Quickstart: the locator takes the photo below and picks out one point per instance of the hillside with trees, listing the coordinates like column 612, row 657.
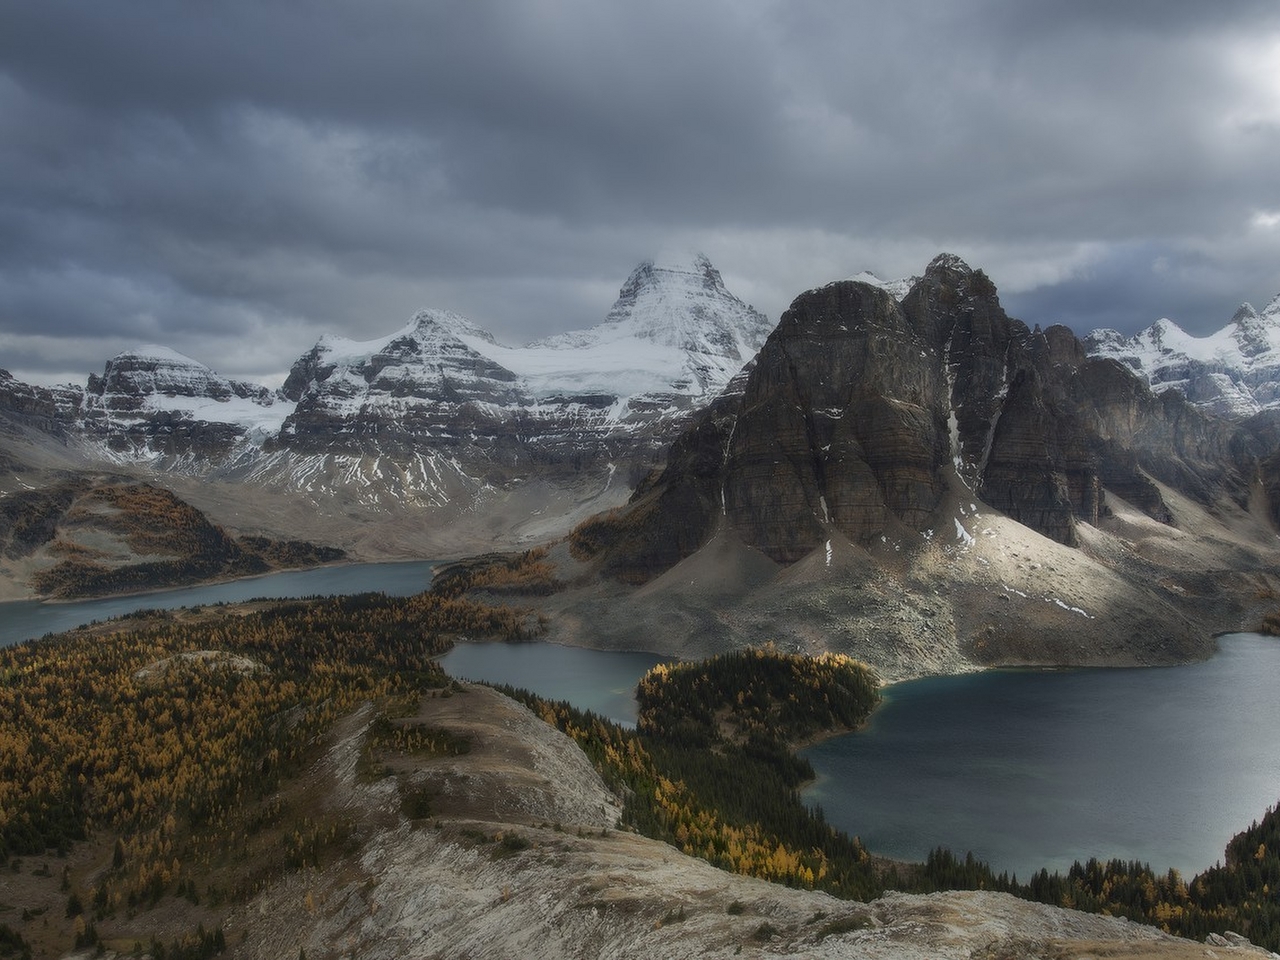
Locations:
column 167, row 741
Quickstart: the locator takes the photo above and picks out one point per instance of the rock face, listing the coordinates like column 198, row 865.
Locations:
column 53, row 411
column 423, row 388
column 1232, row 373
column 863, row 414
column 153, row 403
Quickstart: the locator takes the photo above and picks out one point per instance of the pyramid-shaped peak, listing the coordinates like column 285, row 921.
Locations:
column 680, row 299
column 685, row 268
column 448, row 322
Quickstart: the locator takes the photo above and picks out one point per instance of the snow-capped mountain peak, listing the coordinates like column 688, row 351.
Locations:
column 676, row 311
column 895, row 288
column 1232, row 372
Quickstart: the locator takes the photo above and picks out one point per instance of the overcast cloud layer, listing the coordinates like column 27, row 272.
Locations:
column 235, row 179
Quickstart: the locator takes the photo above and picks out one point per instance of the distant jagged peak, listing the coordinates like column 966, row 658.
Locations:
column 1257, row 334
column 676, row 299
column 1232, row 372
column 1167, row 334
column 672, row 275
column 160, row 354
column 425, row 327
column 448, row 322
column 1246, row 313
column 681, row 261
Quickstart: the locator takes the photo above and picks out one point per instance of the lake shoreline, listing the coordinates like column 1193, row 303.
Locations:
column 22, row 620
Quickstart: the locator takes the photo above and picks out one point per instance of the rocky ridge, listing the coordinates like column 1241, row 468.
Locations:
column 580, row 889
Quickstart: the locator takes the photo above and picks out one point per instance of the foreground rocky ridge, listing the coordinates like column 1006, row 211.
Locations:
column 574, row 887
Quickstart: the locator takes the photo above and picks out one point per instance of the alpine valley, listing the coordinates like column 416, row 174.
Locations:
column 898, row 471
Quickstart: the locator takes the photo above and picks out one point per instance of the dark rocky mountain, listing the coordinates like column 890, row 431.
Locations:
column 933, row 433
column 862, row 413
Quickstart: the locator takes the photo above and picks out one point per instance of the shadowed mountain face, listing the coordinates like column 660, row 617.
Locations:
column 863, row 414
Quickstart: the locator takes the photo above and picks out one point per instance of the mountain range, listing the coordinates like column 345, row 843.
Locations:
column 930, row 485
column 892, row 461
column 438, row 417
column 1234, row 372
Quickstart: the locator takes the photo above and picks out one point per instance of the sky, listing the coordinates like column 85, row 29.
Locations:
column 235, row 179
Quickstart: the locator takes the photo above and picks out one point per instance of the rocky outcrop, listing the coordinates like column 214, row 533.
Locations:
column 54, row 411
column 840, row 424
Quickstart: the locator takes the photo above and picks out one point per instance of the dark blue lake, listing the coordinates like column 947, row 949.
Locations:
column 603, row 681
column 1040, row 768
column 25, row 619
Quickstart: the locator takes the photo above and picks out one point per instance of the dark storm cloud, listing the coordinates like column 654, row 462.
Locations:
column 263, row 170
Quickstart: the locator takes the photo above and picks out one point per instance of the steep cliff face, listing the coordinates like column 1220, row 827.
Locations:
column 54, row 411
column 841, row 425
column 865, row 417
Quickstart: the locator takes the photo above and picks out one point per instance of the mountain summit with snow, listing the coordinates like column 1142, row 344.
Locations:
column 1234, row 372
column 677, row 305
column 446, row 398
column 436, row 413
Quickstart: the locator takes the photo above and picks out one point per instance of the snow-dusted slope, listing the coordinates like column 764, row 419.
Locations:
column 895, row 288
column 439, row 412
column 1234, row 372
column 672, row 341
